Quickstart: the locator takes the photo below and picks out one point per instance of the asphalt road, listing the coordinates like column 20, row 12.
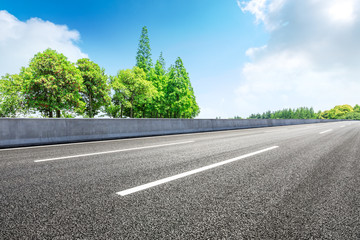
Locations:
column 290, row 182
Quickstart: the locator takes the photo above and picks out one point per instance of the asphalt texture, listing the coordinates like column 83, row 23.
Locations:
column 307, row 188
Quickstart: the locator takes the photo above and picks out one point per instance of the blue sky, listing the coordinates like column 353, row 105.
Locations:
column 243, row 57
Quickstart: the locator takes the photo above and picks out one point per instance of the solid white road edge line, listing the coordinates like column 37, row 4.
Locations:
column 181, row 175
column 114, row 151
column 329, row 130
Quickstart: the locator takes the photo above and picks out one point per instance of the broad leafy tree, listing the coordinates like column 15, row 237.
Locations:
column 131, row 88
column 52, row 84
column 340, row 111
column 11, row 99
column 120, row 98
column 355, row 115
column 324, row 115
column 95, row 91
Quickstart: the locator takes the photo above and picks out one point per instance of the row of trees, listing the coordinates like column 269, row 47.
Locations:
column 338, row 112
column 53, row 86
column 152, row 91
column 298, row 113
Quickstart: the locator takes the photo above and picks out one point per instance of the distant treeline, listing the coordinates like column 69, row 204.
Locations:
column 338, row 112
column 52, row 86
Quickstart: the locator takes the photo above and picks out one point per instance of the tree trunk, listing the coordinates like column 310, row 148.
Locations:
column 50, row 114
column 131, row 112
column 131, row 109
column 58, row 114
column 143, row 110
column 90, row 108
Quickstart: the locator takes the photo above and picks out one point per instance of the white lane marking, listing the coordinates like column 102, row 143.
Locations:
column 329, row 130
column 342, row 126
column 181, row 175
column 114, row 151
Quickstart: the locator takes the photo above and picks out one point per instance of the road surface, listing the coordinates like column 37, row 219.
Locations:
column 289, row 182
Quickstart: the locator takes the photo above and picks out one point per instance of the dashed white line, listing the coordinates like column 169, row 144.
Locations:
column 329, row 130
column 114, row 151
column 181, row 175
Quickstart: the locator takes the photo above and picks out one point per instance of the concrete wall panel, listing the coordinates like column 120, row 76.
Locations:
column 30, row 131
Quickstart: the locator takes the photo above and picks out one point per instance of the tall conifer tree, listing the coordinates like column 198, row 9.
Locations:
column 179, row 93
column 143, row 56
column 157, row 76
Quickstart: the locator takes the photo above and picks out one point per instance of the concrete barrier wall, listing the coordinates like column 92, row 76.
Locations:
column 29, row 131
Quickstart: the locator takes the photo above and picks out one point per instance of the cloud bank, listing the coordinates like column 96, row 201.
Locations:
column 312, row 57
column 20, row 41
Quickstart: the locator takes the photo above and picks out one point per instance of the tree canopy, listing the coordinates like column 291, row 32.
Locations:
column 11, row 99
column 95, row 91
column 342, row 112
column 130, row 87
column 51, row 84
column 179, row 93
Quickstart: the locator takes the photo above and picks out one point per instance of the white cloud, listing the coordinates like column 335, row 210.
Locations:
column 311, row 59
column 20, row 41
column 252, row 52
column 342, row 11
column 256, row 7
column 265, row 11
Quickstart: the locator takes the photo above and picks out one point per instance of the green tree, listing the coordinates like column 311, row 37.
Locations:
column 157, row 76
column 131, row 88
column 324, row 115
column 143, row 56
column 340, row 111
column 95, row 91
column 11, row 99
column 120, row 98
column 52, row 84
column 180, row 97
column 356, row 108
column 355, row 115
column 318, row 115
